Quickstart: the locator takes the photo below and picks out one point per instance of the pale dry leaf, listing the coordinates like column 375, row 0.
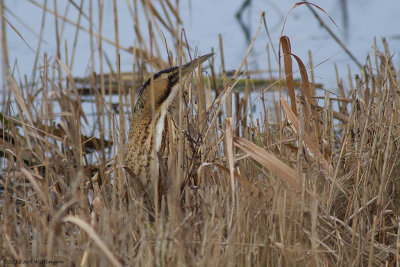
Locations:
column 270, row 161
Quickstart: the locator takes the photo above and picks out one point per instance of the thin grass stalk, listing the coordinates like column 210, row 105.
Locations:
column 269, row 68
column 77, row 31
column 116, row 34
column 102, row 82
column 153, row 172
column 66, row 10
column 40, row 40
column 176, row 184
column 110, row 115
column 213, row 73
column 245, row 100
column 132, row 92
column 154, row 43
column 156, row 17
column 120, row 95
column 121, row 123
column 228, row 104
column 202, row 107
column 311, row 67
column 177, row 22
column 91, row 36
column 140, row 40
column 170, row 23
column 331, row 33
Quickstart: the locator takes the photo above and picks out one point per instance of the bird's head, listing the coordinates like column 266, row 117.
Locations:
column 164, row 84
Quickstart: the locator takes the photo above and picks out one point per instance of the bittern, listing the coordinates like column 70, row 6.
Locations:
column 151, row 119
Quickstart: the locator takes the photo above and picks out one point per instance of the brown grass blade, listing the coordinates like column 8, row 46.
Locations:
column 285, row 44
column 305, row 84
column 305, row 87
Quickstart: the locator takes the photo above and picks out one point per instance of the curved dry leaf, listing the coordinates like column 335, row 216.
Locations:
column 270, row 161
column 307, row 3
column 284, row 42
column 311, row 148
column 94, row 236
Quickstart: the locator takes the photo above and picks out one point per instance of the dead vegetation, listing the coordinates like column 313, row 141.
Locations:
column 314, row 181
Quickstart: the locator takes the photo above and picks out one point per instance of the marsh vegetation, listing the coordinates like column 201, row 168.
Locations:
column 312, row 179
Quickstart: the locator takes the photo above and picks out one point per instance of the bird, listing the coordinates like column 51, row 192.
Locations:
column 150, row 130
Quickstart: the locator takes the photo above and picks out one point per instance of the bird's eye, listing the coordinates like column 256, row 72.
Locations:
column 172, row 79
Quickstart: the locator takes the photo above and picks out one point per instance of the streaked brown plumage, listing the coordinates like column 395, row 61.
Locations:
column 137, row 154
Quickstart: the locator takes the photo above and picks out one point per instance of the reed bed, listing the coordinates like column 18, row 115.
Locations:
column 313, row 181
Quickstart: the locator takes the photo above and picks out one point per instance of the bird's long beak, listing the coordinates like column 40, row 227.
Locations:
column 190, row 66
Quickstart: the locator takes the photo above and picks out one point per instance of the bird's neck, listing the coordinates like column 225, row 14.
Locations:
column 145, row 127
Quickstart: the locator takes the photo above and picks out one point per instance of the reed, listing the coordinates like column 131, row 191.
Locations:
column 308, row 183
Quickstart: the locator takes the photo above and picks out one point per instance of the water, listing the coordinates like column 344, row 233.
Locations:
column 365, row 20
column 358, row 22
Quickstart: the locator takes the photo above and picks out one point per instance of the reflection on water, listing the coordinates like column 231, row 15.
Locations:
column 357, row 22
column 345, row 18
column 245, row 26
